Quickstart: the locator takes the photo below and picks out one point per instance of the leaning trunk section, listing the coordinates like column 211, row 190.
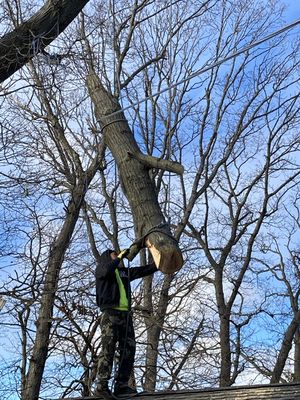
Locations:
column 137, row 186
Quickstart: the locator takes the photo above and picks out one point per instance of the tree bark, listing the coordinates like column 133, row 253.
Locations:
column 225, row 372
column 285, row 348
column 31, row 37
column 224, row 334
column 149, row 222
column 56, row 257
column 154, row 323
column 297, row 356
column 158, row 163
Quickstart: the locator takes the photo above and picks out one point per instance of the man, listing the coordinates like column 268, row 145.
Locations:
column 114, row 299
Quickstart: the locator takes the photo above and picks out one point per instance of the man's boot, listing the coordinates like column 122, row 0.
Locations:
column 102, row 391
column 124, row 391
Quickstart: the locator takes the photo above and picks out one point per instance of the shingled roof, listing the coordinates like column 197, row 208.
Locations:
column 290, row 391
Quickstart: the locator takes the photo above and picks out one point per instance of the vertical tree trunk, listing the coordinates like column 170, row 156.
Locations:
column 56, row 257
column 224, row 332
column 285, row 348
column 297, row 355
column 154, row 323
column 225, row 372
column 153, row 334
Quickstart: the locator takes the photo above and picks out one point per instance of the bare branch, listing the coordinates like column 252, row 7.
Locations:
column 158, row 163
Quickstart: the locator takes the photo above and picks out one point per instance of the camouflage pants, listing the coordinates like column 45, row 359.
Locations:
column 117, row 334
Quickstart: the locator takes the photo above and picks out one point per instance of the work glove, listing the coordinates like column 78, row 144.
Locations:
column 123, row 254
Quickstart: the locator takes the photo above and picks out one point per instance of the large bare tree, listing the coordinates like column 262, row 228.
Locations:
column 119, row 170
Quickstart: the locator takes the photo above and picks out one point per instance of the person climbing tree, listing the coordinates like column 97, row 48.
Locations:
column 113, row 296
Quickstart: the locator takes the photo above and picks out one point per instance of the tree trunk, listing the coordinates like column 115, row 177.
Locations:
column 154, row 323
column 44, row 322
column 224, row 334
column 31, row 37
column 225, row 350
column 136, row 183
column 297, row 356
column 285, row 348
column 153, row 334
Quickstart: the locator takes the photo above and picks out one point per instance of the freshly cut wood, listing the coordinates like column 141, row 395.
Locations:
column 168, row 259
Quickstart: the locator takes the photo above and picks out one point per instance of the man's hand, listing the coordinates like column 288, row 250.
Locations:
column 123, row 254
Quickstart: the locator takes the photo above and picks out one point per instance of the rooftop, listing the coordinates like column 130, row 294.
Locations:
column 288, row 391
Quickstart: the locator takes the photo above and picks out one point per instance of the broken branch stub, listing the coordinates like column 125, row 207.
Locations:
column 157, row 163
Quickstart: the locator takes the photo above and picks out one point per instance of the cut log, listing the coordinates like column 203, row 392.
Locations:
column 168, row 259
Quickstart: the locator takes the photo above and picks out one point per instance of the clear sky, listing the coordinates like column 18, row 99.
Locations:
column 293, row 9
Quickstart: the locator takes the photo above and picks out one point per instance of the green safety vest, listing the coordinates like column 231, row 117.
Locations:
column 123, row 305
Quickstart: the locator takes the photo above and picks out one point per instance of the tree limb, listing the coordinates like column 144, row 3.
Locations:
column 158, row 163
column 31, row 37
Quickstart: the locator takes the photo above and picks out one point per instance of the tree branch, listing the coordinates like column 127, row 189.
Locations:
column 30, row 38
column 158, row 163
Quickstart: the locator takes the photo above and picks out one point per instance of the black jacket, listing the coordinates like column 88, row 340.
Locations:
column 107, row 289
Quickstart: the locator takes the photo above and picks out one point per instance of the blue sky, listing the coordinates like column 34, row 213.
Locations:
column 293, row 9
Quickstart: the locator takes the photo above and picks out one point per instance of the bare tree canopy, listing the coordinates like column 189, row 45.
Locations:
column 122, row 142
column 32, row 36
